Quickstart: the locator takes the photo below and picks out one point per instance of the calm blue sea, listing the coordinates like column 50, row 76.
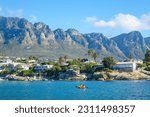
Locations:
column 66, row 90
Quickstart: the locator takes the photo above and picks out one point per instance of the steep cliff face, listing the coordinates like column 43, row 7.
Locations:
column 1, row 38
column 17, row 29
column 20, row 37
column 147, row 42
column 103, row 45
column 77, row 37
column 64, row 39
column 131, row 43
column 44, row 35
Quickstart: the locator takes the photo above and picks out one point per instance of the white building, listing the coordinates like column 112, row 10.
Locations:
column 32, row 61
column 5, row 62
column 125, row 66
column 42, row 67
column 23, row 66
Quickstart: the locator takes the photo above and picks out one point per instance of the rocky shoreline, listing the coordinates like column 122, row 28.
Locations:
column 115, row 75
column 97, row 76
column 20, row 78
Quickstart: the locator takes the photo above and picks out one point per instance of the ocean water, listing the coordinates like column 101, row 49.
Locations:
column 66, row 90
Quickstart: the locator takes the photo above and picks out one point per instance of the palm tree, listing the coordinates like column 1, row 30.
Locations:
column 92, row 53
column 95, row 55
column 65, row 57
column 130, row 57
column 61, row 60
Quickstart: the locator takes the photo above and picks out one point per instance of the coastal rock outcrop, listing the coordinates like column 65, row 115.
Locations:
column 116, row 75
column 136, row 75
column 99, row 76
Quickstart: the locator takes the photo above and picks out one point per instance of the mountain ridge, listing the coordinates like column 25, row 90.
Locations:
column 20, row 37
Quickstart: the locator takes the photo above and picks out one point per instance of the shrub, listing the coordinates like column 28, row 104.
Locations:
column 108, row 62
column 147, row 69
column 107, row 70
column 27, row 73
column 141, row 65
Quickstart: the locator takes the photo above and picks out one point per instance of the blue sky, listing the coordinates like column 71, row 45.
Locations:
column 110, row 17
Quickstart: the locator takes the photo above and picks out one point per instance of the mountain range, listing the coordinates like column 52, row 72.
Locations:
column 19, row 37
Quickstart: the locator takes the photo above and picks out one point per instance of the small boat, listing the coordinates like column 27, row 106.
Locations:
column 81, row 87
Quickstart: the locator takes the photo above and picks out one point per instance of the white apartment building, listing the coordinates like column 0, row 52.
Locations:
column 125, row 66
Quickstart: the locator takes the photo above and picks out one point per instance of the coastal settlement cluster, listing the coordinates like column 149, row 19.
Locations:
column 65, row 68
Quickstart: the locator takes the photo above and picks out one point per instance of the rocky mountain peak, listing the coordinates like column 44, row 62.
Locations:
column 72, row 31
column 131, row 43
column 20, row 35
column 41, row 26
column 60, row 34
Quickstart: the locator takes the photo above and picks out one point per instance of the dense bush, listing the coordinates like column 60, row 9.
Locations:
column 147, row 69
column 48, row 63
column 141, row 65
column 29, row 73
column 74, row 62
column 56, row 68
column 87, row 67
column 5, row 72
column 107, row 70
column 108, row 62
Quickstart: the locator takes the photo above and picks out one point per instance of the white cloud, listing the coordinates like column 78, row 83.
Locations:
column 91, row 19
column 7, row 12
column 1, row 10
column 14, row 13
column 11, row 12
column 126, row 22
column 33, row 18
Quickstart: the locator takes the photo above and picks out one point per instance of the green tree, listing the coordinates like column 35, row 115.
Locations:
column 27, row 73
column 92, row 53
column 147, row 57
column 65, row 57
column 20, row 69
column 141, row 65
column 2, row 54
column 4, row 67
column 108, row 62
column 33, row 58
column 5, row 70
column 56, row 68
column 61, row 60
column 74, row 62
column 95, row 55
column 130, row 56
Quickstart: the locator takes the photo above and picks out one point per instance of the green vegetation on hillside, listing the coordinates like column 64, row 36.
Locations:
column 146, row 62
column 108, row 62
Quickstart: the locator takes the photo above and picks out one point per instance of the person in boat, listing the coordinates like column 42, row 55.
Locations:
column 82, row 86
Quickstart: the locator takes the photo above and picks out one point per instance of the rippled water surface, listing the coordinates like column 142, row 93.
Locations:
column 66, row 90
